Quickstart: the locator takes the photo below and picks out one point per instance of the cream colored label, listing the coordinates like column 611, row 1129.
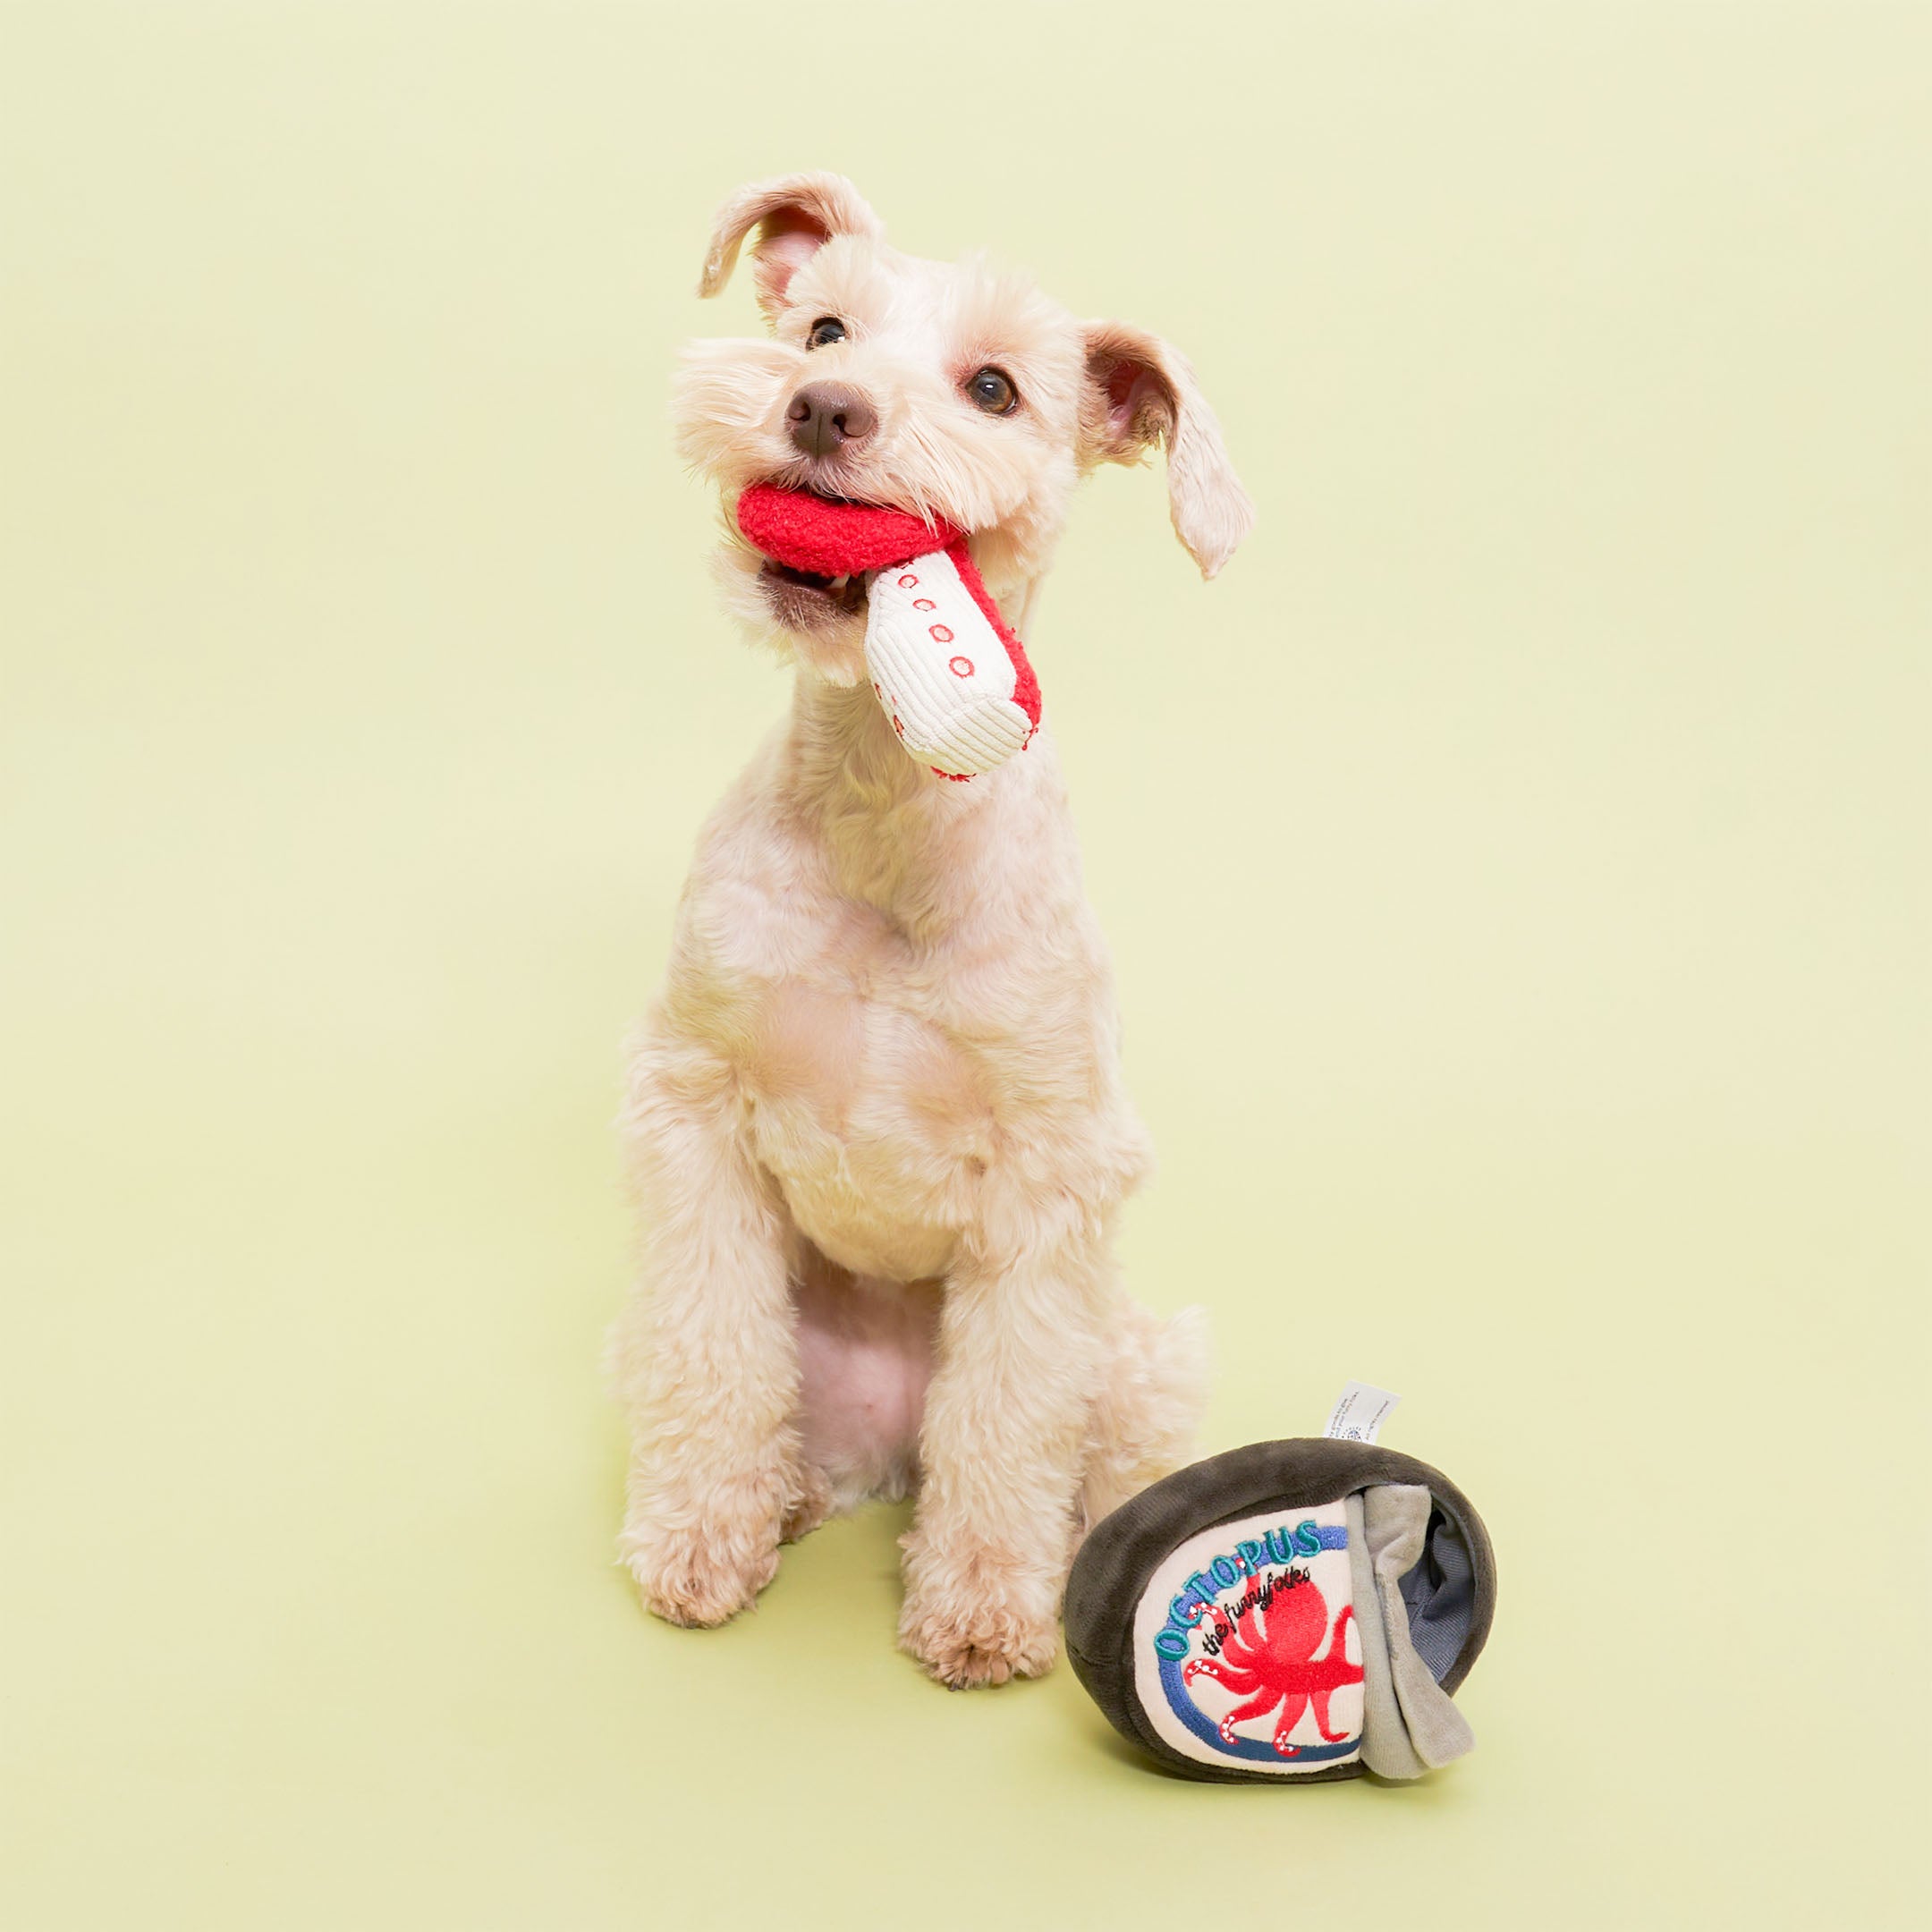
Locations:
column 1246, row 1654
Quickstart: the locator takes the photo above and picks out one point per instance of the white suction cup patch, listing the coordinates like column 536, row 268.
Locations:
column 942, row 672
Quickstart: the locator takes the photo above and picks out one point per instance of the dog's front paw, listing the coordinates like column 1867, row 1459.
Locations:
column 698, row 1576
column 809, row 1508
column 979, row 1621
column 962, row 1651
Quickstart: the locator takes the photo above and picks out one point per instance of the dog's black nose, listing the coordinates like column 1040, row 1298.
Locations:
column 825, row 417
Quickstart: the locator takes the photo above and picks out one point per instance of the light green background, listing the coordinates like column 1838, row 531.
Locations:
column 1516, row 866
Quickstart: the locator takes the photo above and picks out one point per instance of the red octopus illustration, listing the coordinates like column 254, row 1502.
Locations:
column 1268, row 1658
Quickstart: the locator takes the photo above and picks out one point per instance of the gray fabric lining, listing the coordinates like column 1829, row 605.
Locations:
column 1397, row 1518
column 1386, row 1747
column 1440, row 1591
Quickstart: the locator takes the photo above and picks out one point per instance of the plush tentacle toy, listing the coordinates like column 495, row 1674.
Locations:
column 950, row 673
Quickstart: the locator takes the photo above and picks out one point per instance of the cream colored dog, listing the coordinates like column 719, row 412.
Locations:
column 876, row 1118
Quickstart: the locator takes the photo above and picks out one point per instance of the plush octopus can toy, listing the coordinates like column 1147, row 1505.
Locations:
column 1290, row 1611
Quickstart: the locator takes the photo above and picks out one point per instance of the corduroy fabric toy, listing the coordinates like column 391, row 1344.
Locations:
column 1291, row 1610
column 951, row 676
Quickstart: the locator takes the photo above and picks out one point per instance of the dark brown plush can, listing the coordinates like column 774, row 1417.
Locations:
column 1295, row 1612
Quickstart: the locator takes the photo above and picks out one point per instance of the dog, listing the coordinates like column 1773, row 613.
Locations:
column 876, row 1118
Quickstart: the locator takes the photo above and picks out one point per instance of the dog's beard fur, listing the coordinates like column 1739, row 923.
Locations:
column 916, row 333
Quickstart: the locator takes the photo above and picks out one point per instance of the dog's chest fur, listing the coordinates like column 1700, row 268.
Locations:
column 872, row 1121
column 905, row 1008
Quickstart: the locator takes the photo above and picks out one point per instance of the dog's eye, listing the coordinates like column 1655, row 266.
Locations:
column 828, row 328
column 993, row 391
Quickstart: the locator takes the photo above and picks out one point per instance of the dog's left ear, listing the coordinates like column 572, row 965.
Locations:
column 795, row 215
column 1141, row 392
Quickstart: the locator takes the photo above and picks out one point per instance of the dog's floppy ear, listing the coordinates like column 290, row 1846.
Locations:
column 1141, row 392
column 795, row 217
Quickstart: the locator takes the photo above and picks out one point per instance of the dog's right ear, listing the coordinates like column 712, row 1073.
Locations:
column 795, row 217
column 1140, row 393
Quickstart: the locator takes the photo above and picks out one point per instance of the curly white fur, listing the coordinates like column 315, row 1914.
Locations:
column 877, row 1119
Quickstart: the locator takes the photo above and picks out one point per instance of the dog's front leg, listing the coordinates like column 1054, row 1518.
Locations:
column 706, row 1354
column 1000, row 1451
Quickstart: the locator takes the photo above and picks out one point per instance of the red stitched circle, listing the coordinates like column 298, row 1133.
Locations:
column 907, row 581
column 938, row 633
column 961, row 667
column 924, row 603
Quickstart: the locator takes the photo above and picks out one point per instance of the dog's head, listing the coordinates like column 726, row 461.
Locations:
column 949, row 390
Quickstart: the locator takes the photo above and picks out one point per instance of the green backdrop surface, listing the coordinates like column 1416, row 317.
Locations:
column 1516, row 867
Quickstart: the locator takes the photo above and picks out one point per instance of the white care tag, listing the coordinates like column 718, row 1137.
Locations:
column 1359, row 1412
column 941, row 670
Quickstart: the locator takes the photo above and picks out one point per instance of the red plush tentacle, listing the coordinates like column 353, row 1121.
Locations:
column 1026, row 686
column 831, row 539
